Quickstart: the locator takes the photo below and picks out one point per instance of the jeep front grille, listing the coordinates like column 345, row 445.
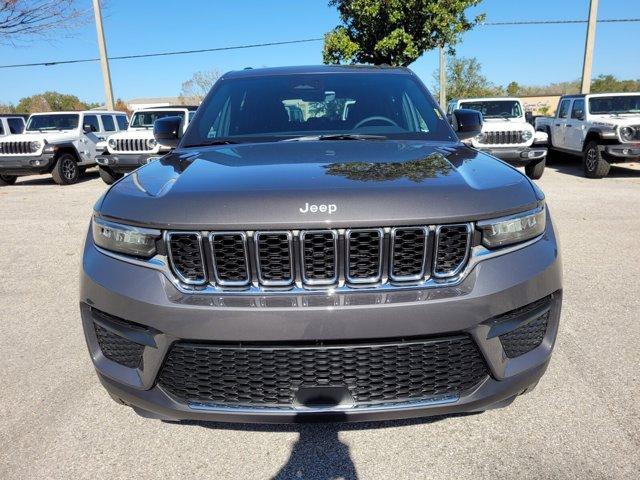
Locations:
column 17, row 148
column 131, row 145
column 322, row 258
column 503, row 137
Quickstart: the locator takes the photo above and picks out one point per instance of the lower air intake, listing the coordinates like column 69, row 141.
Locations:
column 117, row 348
column 271, row 376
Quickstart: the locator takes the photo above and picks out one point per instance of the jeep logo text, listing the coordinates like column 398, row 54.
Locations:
column 322, row 208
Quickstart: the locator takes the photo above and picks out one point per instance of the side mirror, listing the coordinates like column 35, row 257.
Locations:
column 528, row 117
column 466, row 123
column 86, row 128
column 167, row 132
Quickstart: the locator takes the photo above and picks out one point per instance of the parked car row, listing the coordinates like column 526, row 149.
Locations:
column 602, row 129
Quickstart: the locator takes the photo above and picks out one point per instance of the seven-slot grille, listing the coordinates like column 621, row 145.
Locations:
column 132, row 145
column 367, row 256
column 396, row 371
column 16, row 148
column 503, row 137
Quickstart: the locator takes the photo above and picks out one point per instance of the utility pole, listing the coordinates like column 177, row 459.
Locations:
column 443, row 79
column 588, row 47
column 104, row 61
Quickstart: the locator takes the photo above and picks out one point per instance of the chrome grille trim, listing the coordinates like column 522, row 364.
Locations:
column 373, row 279
column 503, row 137
column 16, row 148
column 230, row 283
column 175, row 270
column 392, row 246
column 317, row 282
column 463, row 263
column 261, row 279
column 131, row 145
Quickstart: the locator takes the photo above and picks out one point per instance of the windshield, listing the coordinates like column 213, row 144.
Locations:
column 66, row 121
column 146, row 119
column 608, row 105
column 495, row 108
column 280, row 107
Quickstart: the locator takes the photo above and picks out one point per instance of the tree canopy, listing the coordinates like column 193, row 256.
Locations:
column 52, row 102
column 466, row 80
column 197, row 87
column 395, row 32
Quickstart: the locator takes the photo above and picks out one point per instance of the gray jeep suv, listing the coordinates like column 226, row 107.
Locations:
column 320, row 245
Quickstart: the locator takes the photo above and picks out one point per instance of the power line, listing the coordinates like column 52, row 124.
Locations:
column 162, row 54
column 291, row 42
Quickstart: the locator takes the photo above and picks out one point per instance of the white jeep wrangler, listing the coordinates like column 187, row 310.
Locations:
column 506, row 134
column 60, row 143
column 11, row 124
column 126, row 151
column 602, row 128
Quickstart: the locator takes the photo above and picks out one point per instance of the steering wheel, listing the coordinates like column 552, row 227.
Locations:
column 375, row 117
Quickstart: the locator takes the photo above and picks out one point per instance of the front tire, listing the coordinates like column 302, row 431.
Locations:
column 7, row 180
column 108, row 176
column 66, row 170
column 534, row 170
column 595, row 166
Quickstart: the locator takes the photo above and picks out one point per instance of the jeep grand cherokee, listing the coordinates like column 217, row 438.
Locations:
column 320, row 244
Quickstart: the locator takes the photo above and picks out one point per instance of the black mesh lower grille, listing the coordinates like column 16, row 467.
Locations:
column 230, row 258
column 363, row 249
column 319, row 256
column 274, row 257
column 452, row 244
column 530, row 335
column 264, row 376
column 117, row 348
column 186, row 256
column 409, row 246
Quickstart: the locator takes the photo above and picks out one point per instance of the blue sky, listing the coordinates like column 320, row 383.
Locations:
column 526, row 54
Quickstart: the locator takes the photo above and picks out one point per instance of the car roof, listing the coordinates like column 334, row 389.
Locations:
column 170, row 107
column 316, row 69
column 91, row 112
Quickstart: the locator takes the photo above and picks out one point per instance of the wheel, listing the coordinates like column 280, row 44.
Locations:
column 534, row 170
column 7, row 180
column 108, row 176
column 66, row 170
column 595, row 166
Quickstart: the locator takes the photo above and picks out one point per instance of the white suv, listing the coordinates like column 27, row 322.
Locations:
column 602, row 128
column 126, row 151
column 506, row 134
column 60, row 143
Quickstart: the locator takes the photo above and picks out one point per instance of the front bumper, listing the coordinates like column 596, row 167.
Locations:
column 123, row 163
column 26, row 164
column 623, row 152
column 146, row 297
column 517, row 155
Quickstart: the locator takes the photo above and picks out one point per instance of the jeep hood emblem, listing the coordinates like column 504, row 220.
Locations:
column 330, row 208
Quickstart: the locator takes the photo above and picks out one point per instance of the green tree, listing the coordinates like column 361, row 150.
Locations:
column 513, row 89
column 52, row 102
column 465, row 80
column 395, row 32
column 609, row 83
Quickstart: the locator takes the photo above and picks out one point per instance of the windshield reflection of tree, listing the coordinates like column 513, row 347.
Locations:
column 415, row 170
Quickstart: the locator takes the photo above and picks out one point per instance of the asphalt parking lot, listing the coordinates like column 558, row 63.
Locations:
column 583, row 420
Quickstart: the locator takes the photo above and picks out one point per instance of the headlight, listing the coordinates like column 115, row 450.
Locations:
column 526, row 135
column 127, row 239
column 151, row 143
column 513, row 229
column 627, row 133
column 112, row 143
column 480, row 137
column 35, row 146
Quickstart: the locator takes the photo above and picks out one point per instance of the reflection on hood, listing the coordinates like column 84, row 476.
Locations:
column 415, row 170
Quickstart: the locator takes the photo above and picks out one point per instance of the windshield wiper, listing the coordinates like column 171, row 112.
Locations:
column 337, row 136
column 214, row 141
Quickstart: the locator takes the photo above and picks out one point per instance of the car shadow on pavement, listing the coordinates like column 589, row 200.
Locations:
column 46, row 179
column 572, row 165
column 318, row 452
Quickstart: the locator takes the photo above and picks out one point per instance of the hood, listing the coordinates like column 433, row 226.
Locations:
column 616, row 120
column 493, row 124
column 314, row 184
column 50, row 137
